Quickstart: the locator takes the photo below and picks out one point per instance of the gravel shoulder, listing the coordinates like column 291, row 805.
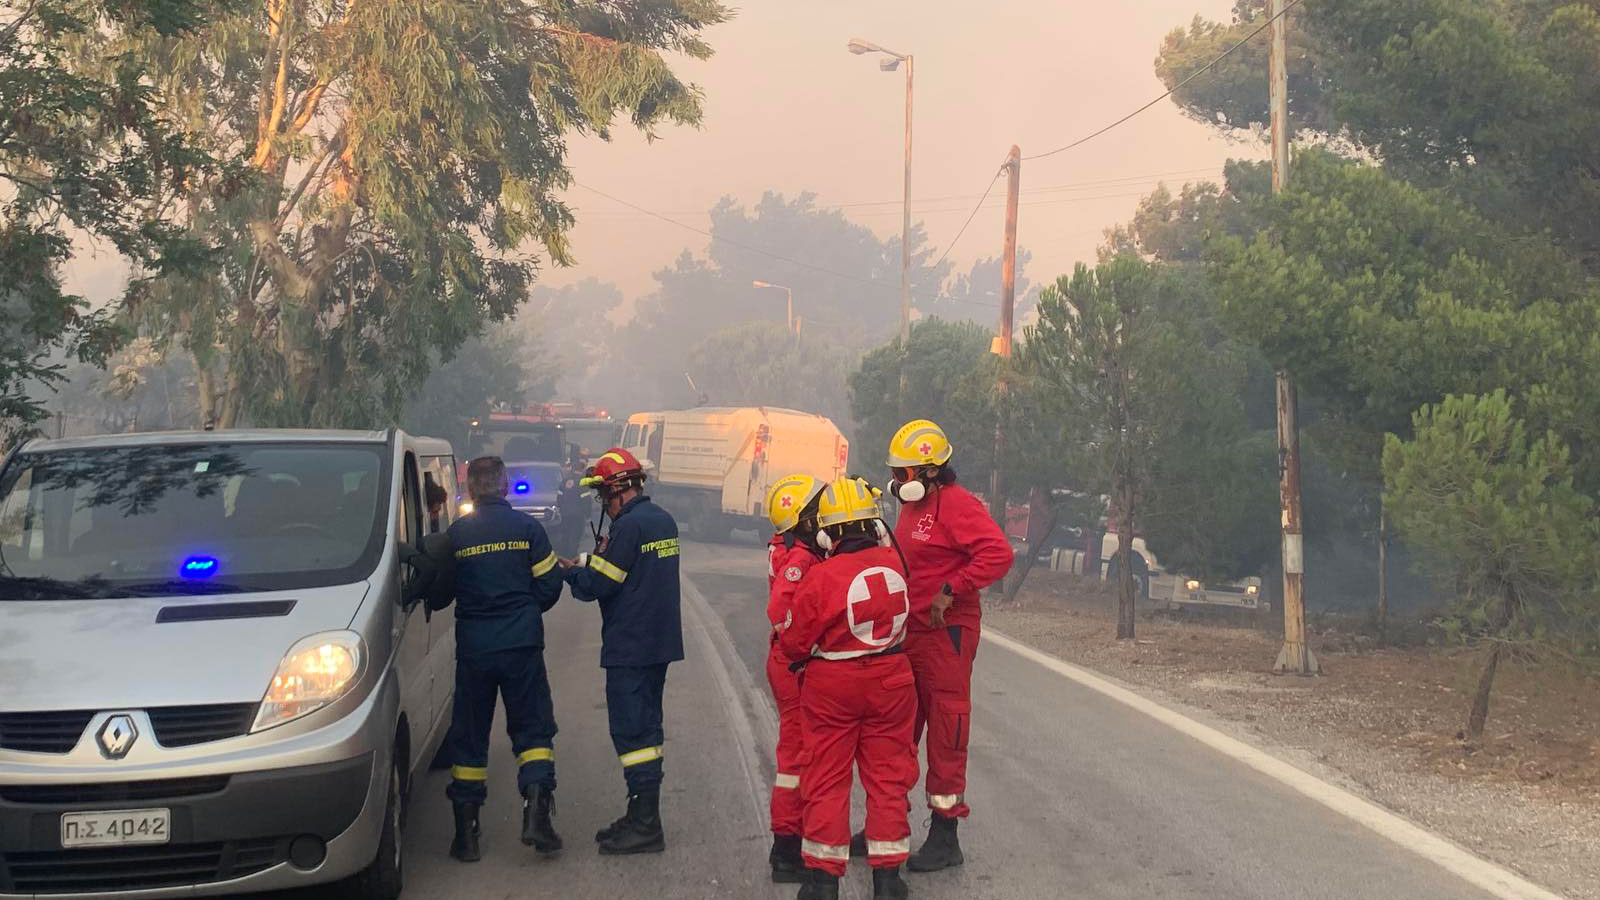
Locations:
column 1383, row 722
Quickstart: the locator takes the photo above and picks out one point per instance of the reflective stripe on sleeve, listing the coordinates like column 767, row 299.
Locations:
column 536, row 754
column 469, row 773
column 543, row 566
column 607, row 569
column 901, row 847
column 637, row 757
column 825, row 851
column 786, row 782
column 944, row 801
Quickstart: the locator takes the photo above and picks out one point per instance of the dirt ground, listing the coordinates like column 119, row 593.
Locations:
column 1385, row 722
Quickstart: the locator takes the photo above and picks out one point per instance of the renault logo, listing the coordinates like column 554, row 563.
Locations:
column 116, row 736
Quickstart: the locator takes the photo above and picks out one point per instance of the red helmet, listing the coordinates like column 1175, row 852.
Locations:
column 615, row 468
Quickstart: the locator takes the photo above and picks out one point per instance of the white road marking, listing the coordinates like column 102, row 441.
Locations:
column 1480, row 873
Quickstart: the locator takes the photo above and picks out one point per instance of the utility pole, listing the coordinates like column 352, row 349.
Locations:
column 1002, row 347
column 905, row 224
column 1296, row 655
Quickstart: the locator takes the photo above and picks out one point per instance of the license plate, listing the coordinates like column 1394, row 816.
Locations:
column 123, row 827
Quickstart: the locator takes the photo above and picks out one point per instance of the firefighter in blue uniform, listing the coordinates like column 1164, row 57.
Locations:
column 505, row 579
column 633, row 574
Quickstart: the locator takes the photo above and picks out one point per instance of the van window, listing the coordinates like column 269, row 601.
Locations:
column 439, row 490
column 159, row 519
column 630, row 437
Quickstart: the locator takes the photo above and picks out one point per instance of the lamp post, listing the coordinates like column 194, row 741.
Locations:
column 858, row 47
column 786, row 291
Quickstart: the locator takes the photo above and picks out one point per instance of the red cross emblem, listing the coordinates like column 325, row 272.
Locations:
column 878, row 606
column 925, row 449
column 786, row 501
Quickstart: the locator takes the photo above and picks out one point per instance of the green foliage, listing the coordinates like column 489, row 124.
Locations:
column 487, row 372
column 949, row 374
column 1500, row 509
column 408, row 160
column 855, row 303
column 765, row 364
column 1152, row 408
column 86, row 152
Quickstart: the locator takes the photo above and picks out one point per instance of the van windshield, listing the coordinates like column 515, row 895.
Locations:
column 162, row 519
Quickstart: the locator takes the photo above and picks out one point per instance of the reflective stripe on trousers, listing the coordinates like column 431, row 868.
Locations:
column 901, row 847
column 639, row 757
column 825, row 851
column 786, row 782
column 945, row 801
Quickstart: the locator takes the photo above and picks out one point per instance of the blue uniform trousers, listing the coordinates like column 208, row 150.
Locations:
column 633, row 704
column 518, row 676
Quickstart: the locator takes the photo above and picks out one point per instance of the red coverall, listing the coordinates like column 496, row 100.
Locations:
column 786, row 566
column 858, row 703
column 948, row 538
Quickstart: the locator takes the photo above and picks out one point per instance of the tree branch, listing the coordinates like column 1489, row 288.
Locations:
column 15, row 25
column 279, row 94
column 334, row 145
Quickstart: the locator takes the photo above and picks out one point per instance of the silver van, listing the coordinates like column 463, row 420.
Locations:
column 216, row 676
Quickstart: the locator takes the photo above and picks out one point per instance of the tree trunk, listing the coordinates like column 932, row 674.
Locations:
column 206, row 385
column 1480, row 700
column 1383, row 570
column 1125, row 580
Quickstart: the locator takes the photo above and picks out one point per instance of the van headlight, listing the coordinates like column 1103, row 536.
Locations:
column 314, row 673
column 1252, row 590
column 1192, row 584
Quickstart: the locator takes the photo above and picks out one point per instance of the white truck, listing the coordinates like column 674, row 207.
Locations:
column 711, row 467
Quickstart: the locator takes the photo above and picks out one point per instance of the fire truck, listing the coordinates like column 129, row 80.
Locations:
column 531, row 442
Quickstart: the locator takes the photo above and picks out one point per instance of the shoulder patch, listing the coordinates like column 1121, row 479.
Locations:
column 793, row 573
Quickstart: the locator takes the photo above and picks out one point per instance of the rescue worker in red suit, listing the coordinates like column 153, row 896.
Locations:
column 792, row 507
column 953, row 550
column 858, row 700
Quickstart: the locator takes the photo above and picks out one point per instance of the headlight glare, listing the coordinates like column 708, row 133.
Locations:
column 1252, row 590
column 314, row 673
column 1192, row 585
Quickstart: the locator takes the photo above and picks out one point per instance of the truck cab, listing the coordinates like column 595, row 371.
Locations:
column 533, row 447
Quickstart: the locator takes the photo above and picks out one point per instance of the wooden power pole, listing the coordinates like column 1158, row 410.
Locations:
column 1002, row 348
column 1296, row 655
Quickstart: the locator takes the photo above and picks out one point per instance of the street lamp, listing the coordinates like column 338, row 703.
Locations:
column 858, row 47
column 779, row 287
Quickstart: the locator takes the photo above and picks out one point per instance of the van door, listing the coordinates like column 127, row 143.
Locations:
column 411, row 640
column 439, row 481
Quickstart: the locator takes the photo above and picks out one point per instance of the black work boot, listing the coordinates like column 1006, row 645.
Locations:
column 787, row 866
column 819, row 886
column 464, row 846
column 858, row 845
column 888, row 885
column 538, row 831
column 605, row 833
column 640, row 830
column 942, row 849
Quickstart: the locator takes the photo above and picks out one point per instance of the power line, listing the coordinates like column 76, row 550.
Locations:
column 1180, row 85
column 970, row 216
column 1127, row 180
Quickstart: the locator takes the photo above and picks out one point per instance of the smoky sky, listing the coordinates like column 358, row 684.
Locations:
column 787, row 108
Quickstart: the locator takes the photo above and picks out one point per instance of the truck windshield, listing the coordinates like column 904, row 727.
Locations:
column 534, row 444
column 161, row 519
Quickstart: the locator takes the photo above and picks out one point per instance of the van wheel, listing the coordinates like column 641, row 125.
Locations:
column 385, row 877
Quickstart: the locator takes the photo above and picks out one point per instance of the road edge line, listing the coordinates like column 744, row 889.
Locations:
column 1478, row 872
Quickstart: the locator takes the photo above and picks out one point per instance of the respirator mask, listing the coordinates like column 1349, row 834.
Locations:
column 912, row 489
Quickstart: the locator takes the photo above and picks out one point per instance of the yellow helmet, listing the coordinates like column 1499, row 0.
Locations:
column 788, row 498
column 919, row 443
column 848, row 500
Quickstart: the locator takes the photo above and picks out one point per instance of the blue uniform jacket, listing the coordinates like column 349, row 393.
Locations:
column 636, row 582
column 506, row 578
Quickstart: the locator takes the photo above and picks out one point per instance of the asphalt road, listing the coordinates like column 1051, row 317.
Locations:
column 1073, row 794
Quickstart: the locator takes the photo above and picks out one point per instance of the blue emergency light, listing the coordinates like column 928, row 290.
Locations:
column 522, row 487
column 198, row 567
